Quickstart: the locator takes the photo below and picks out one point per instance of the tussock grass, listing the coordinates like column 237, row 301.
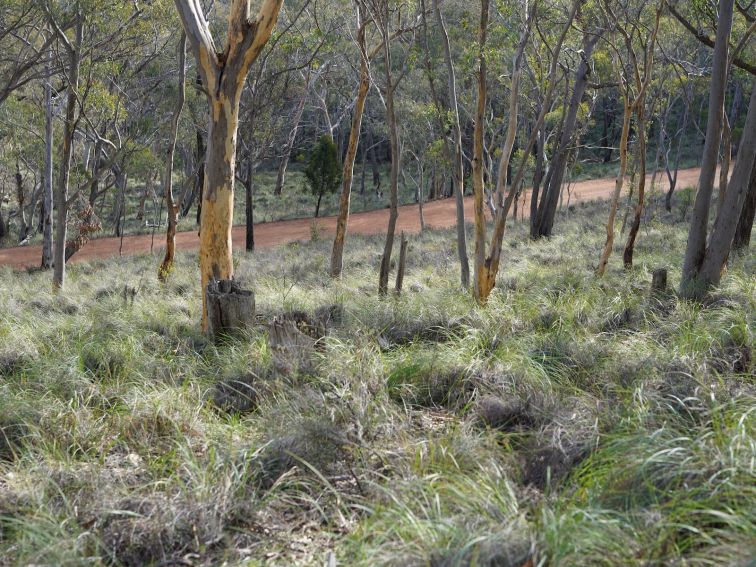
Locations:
column 571, row 421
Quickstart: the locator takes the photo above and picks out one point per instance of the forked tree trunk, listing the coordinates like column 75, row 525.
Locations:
column 696, row 247
column 725, row 224
column 457, row 164
column 489, row 269
column 223, row 74
column 337, row 253
column 550, row 199
column 171, row 206
column 69, row 127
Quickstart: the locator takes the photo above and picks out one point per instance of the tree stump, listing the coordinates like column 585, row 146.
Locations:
column 292, row 349
column 659, row 281
column 230, row 308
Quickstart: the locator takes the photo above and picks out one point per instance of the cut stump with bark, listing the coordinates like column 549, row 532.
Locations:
column 295, row 337
column 230, row 308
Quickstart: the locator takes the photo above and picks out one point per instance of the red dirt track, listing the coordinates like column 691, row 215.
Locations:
column 438, row 214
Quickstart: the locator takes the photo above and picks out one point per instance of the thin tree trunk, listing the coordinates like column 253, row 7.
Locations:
column 420, row 195
column 395, row 157
column 23, row 228
column 697, row 234
column 47, row 181
column 317, row 207
column 249, row 210
column 172, row 208
column 402, row 264
column 619, row 181
column 540, row 152
column 337, row 253
column 477, row 161
column 724, row 168
column 672, row 175
column 457, row 165
column 69, row 127
column 633, row 234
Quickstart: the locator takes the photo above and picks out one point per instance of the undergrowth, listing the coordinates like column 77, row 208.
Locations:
column 571, row 421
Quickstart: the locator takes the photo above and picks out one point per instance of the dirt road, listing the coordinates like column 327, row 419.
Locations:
column 438, row 214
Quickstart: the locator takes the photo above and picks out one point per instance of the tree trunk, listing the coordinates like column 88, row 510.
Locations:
column 69, row 127
column 394, row 171
column 548, row 205
column 374, row 162
column 172, row 208
column 742, row 236
column 457, row 164
column 609, row 243
column 696, row 248
column 120, row 202
column 633, row 234
column 672, row 175
column 249, row 210
column 223, row 73
column 23, row 228
column 337, row 253
column 540, row 153
column 47, row 181
column 725, row 224
column 477, row 161
column 486, row 279
column 401, row 266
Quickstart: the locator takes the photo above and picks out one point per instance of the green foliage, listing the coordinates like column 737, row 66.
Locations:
column 323, row 170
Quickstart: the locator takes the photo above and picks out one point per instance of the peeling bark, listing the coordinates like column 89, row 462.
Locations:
column 223, row 74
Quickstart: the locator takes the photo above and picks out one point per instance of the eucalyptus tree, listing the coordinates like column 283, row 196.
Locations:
column 223, row 76
column 543, row 223
column 695, row 252
column 487, row 263
column 634, row 56
column 170, row 245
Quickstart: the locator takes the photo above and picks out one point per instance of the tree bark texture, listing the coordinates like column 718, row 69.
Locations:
column 223, row 73
column 697, row 233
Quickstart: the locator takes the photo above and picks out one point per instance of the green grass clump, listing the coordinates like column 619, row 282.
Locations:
column 570, row 421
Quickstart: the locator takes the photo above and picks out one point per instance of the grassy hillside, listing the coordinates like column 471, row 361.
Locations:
column 570, row 422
